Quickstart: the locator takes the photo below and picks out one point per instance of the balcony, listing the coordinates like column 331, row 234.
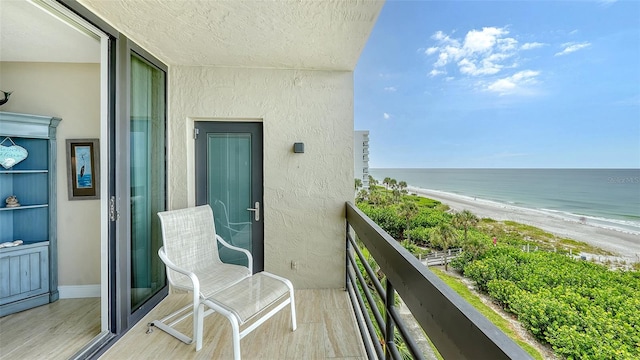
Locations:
column 326, row 329
column 328, row 325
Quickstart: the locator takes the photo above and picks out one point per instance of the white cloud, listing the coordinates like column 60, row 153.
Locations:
column 435, row 72
column 513, row 84
column 443, row 59
column 482, row 41
column 432, row 50
column 390, row 89
column 531, row 45
column 572, row 47
column 483, row 52
column 502, row 85
column 508, row 44
column 445, row 39
column 487, row 67
column 386, row 116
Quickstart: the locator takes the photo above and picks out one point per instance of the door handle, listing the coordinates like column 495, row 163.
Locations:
column 256, row 211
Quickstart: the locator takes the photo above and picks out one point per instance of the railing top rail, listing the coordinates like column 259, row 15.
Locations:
column 457, row 329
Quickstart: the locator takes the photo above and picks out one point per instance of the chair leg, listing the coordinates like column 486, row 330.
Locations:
column 198, row 325
column 292, row 299
column 293, row 310
column 235, row 329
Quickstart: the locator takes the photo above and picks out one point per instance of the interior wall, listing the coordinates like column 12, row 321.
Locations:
column 72, row 93
column 304, row 194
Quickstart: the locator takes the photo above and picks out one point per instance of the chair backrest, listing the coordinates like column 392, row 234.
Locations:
column 189, row 238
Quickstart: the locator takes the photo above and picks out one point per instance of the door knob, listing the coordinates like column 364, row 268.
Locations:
column 256, row 211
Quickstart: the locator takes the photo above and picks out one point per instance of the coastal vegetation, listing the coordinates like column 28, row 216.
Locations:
column 580, row 309
column 502, row 323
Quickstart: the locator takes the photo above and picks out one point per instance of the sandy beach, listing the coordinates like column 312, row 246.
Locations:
column 624, row 243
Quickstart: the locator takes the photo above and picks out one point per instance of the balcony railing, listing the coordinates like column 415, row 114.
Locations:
column 457, row 330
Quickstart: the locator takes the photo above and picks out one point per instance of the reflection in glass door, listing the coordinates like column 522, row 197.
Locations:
column 229, row 184
column 148, row 177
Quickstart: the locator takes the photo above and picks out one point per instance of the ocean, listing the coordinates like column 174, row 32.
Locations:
column 607, row 197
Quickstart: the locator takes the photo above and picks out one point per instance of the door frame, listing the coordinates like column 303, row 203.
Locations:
column 256, row 128
column 114, row 112
column 125, row 316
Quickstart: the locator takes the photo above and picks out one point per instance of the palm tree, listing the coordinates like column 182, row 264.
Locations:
column 465, row 220
column 386, row 182
column 408, row 210
column 444, row 236
column 393, row 183
column 375, row 197
column 396, row 194
column 403, row 187
column 475, row 246
column 372, row 182
column 362, row 195
column 358, row 183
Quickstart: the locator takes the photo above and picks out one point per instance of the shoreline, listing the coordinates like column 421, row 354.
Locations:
column 625, row 244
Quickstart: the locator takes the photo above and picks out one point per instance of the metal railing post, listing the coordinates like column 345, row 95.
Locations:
column 389, row 328
column 346, row 258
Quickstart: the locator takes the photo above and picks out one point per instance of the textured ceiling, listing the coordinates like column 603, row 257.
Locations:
column 28, row 33
column 308, row 34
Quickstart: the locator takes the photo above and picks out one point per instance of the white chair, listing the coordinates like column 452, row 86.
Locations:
column 190, row 253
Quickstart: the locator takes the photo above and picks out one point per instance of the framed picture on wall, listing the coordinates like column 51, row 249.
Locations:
column 83, row 169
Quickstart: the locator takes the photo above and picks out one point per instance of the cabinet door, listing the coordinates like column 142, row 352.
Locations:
column 23, row 273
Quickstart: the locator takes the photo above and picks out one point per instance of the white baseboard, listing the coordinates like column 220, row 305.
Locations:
column 79, row 291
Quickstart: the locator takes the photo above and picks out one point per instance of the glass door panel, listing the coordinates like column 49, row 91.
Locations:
column 229, row 184
column 148, row 174
column 228, row 157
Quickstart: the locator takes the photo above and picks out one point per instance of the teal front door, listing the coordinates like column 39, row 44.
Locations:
column 229, row 178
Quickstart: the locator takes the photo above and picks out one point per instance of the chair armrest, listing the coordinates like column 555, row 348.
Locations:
column 245, row 251
column 232, row 229
column 174, row 267
column 239, row 223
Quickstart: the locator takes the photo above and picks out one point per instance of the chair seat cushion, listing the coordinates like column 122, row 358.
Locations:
column 251, row 295
column 213, row 278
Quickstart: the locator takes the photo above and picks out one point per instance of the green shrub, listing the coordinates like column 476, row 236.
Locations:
column 583, row 310
column 387, row 218
column 419, row 235
column 428, row 217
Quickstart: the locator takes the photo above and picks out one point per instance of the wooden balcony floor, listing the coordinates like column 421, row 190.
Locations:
column 326, row 330
column 52, row 331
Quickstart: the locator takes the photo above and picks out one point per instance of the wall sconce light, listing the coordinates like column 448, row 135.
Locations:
column 298, row 148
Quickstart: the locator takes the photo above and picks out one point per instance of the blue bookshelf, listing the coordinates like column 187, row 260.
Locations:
column 28, row 272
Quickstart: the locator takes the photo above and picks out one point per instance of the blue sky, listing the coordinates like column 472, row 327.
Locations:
column 502, row 84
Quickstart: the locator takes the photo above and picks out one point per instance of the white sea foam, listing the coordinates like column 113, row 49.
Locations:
column 595, row 206
column 565, row 224
column 630, row 227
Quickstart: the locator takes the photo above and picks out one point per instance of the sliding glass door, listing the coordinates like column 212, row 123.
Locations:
column 148, row 179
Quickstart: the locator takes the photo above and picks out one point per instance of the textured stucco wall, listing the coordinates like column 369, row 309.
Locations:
column 304, row 194
column 71, row 92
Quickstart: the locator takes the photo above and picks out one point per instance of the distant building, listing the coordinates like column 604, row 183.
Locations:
column 361, row 156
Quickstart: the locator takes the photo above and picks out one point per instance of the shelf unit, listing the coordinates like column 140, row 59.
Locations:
column 29, row 272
